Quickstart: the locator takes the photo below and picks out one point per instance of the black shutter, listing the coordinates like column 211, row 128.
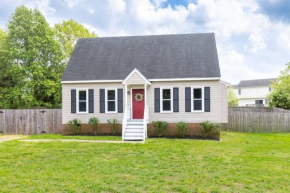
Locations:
column 91, row 100
column 175, row 100
column 187, row 99
column 73, row 101
column 102, row 100
column 157, row 99
column 207, row 99
column 120, row 100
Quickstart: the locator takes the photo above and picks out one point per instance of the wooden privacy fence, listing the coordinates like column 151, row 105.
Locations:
column 30, row 121
column 257, row 120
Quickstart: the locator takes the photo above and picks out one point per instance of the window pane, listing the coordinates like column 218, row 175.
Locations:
column 111, row 105
column 82, row 95
column 111, row 94
column 197, row 105
column 166, row 105
column 82, row 107
column 166, row 93
column 197, row 93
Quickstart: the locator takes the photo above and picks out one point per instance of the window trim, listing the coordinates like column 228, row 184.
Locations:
column 87, row 100
column 202, row 99
column 106, row 100
column 171, row 100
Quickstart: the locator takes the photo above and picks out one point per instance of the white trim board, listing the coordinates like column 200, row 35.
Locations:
column 89, row 81
column 155, row 80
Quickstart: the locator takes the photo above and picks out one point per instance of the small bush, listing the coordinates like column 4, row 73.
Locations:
column 113, row 125
column 93, row 122
column 160, row 127
column 207, row 128
column 182, row 128
column 74, row 126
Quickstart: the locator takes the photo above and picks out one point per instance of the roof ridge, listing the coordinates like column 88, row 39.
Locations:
column 151, row 35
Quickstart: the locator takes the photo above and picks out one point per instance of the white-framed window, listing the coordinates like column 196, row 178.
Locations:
column 111, row 100
column 166, row 99
column 82, row 100
column 197, row 98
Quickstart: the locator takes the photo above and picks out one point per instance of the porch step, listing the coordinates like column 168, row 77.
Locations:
column 134, row 127
column 134, row 130
column 133, row 134
column 133, row 138
column 134, row 123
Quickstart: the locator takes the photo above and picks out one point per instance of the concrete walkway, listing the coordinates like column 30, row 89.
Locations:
column 9, row 138
column 78, row 140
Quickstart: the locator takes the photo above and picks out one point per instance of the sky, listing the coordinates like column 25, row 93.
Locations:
column 253, row 36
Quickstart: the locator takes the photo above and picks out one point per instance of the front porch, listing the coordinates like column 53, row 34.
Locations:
column 136, row 114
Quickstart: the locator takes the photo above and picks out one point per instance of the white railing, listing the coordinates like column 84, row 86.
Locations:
column 126, row 118
column 145, row 122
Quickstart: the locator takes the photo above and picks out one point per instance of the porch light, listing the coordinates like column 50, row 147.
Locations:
column 128, row 93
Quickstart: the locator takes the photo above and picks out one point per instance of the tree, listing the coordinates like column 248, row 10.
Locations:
column 4, row 76
column 280, row 95
column 35, row 62
column 68, row 32
column 232, row 98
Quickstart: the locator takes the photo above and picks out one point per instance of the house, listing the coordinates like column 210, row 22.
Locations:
column 253, row 92
column 141, row 79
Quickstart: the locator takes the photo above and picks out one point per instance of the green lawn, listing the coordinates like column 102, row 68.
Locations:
column 239, row 163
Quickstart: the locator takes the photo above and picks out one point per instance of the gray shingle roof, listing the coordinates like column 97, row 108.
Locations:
column 156, row 57
column 257, row 82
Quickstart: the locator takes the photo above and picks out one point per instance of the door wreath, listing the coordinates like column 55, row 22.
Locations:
column 139, row 97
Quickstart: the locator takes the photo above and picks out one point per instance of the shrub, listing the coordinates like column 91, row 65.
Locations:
column 207, row 128
column 182, row 128
column 113, row 124
column 160, row 127
column 93, row 122
column 74, row 126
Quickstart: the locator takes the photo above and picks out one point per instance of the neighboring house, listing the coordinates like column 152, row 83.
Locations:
column 141, row 79
column 253, row 92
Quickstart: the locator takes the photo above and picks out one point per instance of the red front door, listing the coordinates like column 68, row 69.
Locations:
column 138, row 103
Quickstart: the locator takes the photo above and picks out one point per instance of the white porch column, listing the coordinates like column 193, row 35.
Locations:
column 126, row 96
column 145, row 93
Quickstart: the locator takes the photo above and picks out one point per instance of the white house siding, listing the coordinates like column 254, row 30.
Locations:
column 218, row 92
column 249, row 95
column 188, row 117
column 66, row 102
column 245, row 102
column 135, row 79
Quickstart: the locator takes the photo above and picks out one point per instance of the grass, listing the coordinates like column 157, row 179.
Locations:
column 240, row 163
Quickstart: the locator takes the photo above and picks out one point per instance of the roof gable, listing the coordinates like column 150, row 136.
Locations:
column 156, row 57
column 136, row 77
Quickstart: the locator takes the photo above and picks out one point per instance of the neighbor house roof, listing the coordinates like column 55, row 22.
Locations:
column 257, row 82
column 156, row 57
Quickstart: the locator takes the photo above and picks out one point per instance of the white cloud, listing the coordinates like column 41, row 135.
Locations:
column 117, row 6
column 250, row 45
column 158, row 3
column 257, row 42
column 91, row 11
column 73, row 3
